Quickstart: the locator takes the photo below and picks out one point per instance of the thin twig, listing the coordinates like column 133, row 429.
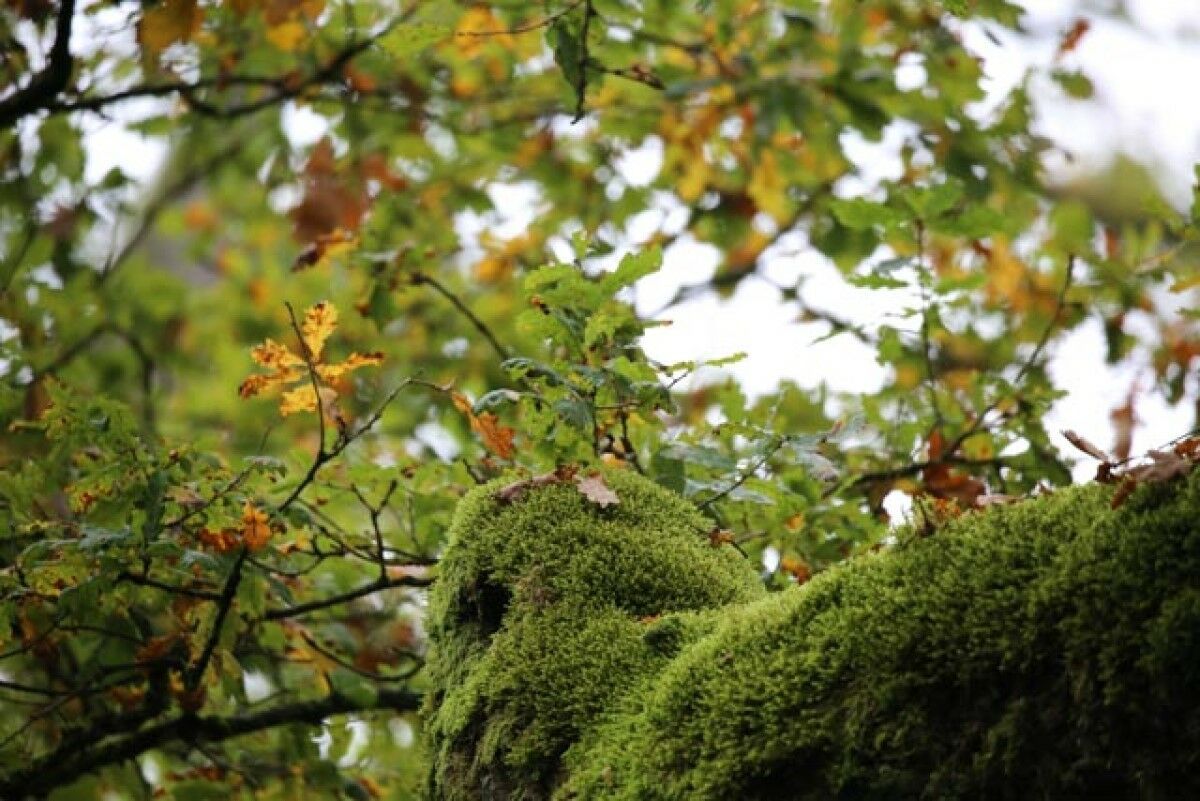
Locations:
column 465, row 310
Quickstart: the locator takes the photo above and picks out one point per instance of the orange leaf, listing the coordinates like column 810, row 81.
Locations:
column 797, row 568
column 332, row 372
column 498, row 438
column 286, row 36
column 255, row 530
column 1073, row 37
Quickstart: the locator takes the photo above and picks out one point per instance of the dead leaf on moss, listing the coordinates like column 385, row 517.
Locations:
column 595, row 490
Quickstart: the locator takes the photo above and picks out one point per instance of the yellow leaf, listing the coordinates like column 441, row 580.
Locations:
column 168, row 22
column 319, row 322
column 1184, row 284
column 255, row 530
column 304, row 399
column 694, row 179
column 476, row 28
column 287, row 36
column 768, row 188
column 274, row 356
column 332, row 372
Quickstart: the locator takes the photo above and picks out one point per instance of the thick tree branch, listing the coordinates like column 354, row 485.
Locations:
column 63, row 766
column 48, row 83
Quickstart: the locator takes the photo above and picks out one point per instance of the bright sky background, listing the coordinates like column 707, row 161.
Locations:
column 1145, row 75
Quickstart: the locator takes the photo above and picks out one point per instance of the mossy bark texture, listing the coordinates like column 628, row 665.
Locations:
column 1045, row 650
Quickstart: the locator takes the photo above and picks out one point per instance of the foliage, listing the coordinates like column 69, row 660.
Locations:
column 1041, row 649
column 193, row 574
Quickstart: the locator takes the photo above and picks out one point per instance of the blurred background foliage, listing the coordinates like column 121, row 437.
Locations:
column 190, row 580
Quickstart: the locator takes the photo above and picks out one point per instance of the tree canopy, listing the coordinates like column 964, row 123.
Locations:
column 242, row 399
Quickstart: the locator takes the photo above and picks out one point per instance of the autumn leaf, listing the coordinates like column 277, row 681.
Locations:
column 1073, row 37
column 595, row 490
column 496, row 437
column 256, row 532
column 168, row 22
column 332, row 372
column 287, row 36
column 1087, row 447
column 334, row 199
column 286, row 368
column 1124, row 419
column 796, row 568
column 220, row 540
column 304, row 399
column 319, row 323
column 324, row 247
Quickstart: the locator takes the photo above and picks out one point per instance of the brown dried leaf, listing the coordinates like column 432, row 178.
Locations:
column 996, row 499
column 1124, row 420
column 1085, row 446
column 1073, row 37
column 595, row 490
column 1163, row 466
column 1123, row 492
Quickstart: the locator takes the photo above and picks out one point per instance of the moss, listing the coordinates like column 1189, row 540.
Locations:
column 1046, row 650
column 540, row 617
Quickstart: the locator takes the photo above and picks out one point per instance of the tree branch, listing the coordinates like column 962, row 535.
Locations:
column 465, row 310
column 367, row 589
column 62, row 766
column 48, row 83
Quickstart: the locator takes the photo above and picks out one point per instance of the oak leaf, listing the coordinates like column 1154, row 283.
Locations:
column 256, row 531
column 168, row 22
column 319, row 323
column 497, row 438
column 286, row 368
column 595, row 490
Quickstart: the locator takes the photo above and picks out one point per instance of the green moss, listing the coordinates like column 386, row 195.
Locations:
column 1046, row 650
column 540, row 617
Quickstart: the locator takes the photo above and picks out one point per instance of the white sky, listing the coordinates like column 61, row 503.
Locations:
column 1145, row 78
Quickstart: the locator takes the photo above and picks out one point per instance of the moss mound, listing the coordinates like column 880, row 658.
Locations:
column 1046, row 650
column 548, row 609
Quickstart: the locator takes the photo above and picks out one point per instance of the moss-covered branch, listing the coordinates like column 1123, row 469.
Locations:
column 1046, row 650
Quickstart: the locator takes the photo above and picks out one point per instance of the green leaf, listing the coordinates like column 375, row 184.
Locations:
column 495, row 399
column 930, row 202
column 575, row 411
column 669, row 472
column 198, row 790
column 358, row 690
column 701, row 455
column 1074, row 83
column 413, row 38
column 522, row 367
column 861, row 214
column 631, row 268
column 565, row 41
